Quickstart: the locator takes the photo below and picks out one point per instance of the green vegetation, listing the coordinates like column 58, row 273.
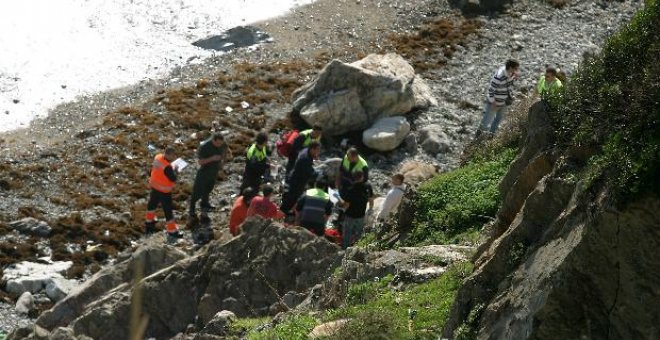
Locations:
column 612, row 105
column 453, row 206
column 376, row 311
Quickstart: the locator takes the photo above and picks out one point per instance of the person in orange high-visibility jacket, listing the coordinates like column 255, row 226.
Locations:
column 161, row 181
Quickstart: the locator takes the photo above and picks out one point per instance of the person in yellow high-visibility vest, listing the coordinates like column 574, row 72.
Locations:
column 257, row 164
column 549, row 83
column 161, row 180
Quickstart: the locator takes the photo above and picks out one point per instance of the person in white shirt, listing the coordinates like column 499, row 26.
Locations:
column 393, row 198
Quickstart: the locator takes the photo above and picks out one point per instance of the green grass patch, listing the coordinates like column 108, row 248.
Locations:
column 378, row 312
column 452, row 207
column 613, row 104
column 294, row 328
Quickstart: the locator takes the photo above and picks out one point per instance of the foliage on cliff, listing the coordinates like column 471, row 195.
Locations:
column 612, row 106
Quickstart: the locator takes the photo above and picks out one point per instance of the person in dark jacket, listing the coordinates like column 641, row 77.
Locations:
column 302, row 173
column 355, row 201
column 351, row 164
column 256, row 163
column 304, row 139
column 211, row 155
column 314, row 208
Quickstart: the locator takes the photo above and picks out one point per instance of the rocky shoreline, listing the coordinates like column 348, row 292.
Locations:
column 80, row 144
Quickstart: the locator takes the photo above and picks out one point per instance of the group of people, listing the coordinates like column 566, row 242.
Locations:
column 499, row 93
column 306, row 201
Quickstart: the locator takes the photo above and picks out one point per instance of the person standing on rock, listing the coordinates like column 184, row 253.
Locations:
column 392, row 199
column 162, row 179
column 498, row 96
column 549, row 83
column 314, row 208
column 263, row 206
column 303, row 171
column 355, row 201
column 211, row 155
column 304, row 139
column 351, row 164
column 256, row 163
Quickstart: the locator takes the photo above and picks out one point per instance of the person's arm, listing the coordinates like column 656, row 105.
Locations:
column 371, row 197
column 365, row 170
column 170, row 173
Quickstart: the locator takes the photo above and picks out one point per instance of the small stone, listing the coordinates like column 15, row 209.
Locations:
column 25, row 303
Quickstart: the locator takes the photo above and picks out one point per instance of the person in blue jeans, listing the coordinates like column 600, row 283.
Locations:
column 498, row 96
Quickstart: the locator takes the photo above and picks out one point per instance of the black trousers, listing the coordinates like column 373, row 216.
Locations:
column 165, row 200
column 291, row 196
column 201, row 190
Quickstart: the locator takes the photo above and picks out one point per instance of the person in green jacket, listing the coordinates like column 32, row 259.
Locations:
column 549, row 83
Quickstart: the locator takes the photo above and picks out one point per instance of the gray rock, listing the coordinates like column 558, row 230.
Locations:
column 292, row 299
column 25, row 303
column 62, row 333
column 31, row 226
column 59, row 288
column 349, row 97
column 386, row 134
column 32, row 277
column 434, row 140
column 410, row 143
column 220, row 323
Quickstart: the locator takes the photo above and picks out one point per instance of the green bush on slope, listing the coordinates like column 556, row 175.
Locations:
column 454, row 205
column 613, row 104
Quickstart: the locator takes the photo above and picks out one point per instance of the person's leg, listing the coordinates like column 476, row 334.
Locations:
column 487, row 118
column 166, row 202
column 347, row 232
column 358, row 230
column 206, row 190
column 150, row 215
column 499, row 115
column 194, row 197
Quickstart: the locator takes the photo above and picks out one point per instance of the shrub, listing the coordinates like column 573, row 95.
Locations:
column 454, row 205
column 612, row 103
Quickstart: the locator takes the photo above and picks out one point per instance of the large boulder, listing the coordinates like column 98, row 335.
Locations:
column 386, row 134
column 349, row 97
column 144, row 261
column 245, row 275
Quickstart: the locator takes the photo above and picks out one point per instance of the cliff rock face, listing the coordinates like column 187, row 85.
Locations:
column 561, row 262
column 248, row 275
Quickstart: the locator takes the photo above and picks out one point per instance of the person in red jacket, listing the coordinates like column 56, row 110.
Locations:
column 161, row 181
column 239, row 210
column 263, row 206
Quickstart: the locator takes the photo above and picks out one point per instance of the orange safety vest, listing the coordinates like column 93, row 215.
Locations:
column 158, row 180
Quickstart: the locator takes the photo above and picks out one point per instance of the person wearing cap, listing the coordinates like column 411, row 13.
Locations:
column 263, row 206
column 161, row 181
